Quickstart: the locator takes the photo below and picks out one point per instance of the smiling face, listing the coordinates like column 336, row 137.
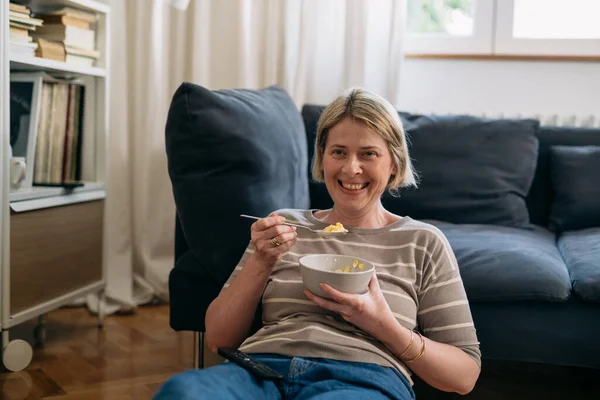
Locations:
column 357, row 166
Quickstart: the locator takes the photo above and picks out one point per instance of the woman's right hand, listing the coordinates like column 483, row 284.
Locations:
column 271, row 239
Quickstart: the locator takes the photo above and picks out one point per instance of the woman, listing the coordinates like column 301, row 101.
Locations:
column 355, row 346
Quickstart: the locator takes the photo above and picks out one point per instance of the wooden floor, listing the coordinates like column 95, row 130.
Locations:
column 129, row 358
column 132, row 355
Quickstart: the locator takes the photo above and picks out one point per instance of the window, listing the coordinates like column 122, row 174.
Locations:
column 548, row 27
column 519, row 27
column 447, row 17
column 556, row 19
column 449, row 26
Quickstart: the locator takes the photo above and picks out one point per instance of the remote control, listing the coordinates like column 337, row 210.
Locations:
column 243, row 360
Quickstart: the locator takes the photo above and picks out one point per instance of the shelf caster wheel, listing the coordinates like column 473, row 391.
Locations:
column 39, row 334
column 17, row 355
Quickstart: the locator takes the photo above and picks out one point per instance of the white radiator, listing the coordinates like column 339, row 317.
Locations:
column 580, row 121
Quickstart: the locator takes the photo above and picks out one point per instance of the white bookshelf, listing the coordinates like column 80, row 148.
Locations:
column 52, row 212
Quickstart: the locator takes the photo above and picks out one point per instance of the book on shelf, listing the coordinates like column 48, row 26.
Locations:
column 70, row 12
column 66, row 20
column 58, row 51
column 23, row 48
column 68, row 35
column 50, row 50
column 24, row 18
column 69, row 16
column 81, row 57
column 20, row 8
column 19, row 35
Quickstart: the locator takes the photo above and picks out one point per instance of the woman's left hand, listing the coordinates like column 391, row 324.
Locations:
column 369, row 311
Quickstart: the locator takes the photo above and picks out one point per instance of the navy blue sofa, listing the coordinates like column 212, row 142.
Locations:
column 525, row 231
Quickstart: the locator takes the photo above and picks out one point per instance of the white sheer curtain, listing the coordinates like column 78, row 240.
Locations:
column 313, row 48
column 331, row 45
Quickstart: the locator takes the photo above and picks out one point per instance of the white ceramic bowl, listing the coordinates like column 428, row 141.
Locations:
column 320, row 268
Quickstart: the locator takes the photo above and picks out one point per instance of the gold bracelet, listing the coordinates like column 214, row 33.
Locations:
column 412, row 335
column 422, row 349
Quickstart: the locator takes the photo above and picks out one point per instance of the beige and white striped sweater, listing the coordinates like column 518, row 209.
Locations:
column 418, row 275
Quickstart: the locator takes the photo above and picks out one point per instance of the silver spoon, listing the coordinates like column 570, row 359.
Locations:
column 319, row 232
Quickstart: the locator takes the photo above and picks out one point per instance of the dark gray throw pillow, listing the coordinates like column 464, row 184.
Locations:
column 575, row 176
column 473, row 170
column 232, row 152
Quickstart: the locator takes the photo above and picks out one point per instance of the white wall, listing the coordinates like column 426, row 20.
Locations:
column 509, row 87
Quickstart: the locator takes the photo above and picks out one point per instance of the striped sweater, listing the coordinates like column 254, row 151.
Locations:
column 418, row 275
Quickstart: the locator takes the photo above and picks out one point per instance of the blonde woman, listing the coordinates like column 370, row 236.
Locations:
column 415, row 318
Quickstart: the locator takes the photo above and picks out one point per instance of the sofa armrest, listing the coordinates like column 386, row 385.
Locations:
column 192, row 288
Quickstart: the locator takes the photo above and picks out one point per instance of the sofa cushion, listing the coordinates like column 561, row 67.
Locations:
column 232, row 152
column 472, row 170
column 574, row 174
column 503, row 263
column 540, row 195
column 581, row 251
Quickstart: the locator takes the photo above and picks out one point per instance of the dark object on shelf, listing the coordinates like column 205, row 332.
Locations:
column 66, row 185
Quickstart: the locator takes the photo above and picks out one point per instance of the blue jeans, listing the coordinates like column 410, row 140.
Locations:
column 305, row 378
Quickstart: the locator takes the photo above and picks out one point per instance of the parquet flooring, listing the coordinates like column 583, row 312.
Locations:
column 132, row 355
column 129, row 358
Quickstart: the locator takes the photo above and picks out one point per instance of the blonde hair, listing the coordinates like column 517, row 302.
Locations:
column 381, row 117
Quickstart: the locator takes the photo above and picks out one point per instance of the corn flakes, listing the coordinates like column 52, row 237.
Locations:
column 355, row 265
column 338, row 227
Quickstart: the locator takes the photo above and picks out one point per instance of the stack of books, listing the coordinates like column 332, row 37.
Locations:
column 68, row 35
column 21, row 26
